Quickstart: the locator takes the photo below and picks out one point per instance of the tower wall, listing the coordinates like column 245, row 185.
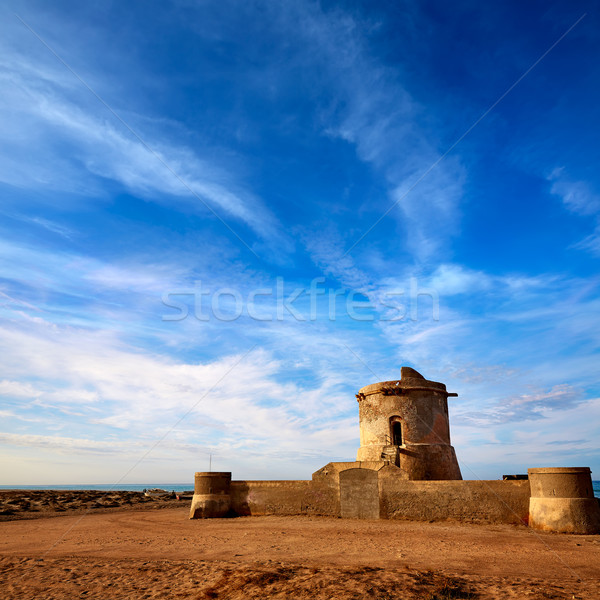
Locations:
column 211, row 495
column 562, row 499
column 406, row 423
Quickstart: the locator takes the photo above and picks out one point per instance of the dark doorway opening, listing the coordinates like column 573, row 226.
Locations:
column 396, row 433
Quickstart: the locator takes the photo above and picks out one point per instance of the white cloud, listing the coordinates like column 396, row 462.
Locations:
column 64, row 444
column 533, row 405
column 451, row 279
column 564, row 437
column 235, row 402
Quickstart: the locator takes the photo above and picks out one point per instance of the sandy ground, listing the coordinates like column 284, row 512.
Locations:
column 162, row 554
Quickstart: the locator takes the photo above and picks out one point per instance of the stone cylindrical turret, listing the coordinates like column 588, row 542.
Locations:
column 406, row 423
column 562, row 499
column 211, row 495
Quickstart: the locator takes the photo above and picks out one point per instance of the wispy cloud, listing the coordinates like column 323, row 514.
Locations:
column 576, row 195
column 61, row 230
column 563, row 437
column 18, row 389
column 528, row 406
column 63, row 128
column 112, row 387
column 580, row 199
column 376, row 113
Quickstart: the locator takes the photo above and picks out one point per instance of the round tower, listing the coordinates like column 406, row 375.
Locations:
column 406, row 422
column 562, row 499
column 211, row 495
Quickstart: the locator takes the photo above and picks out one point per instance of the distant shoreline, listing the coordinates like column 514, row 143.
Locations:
column 102, row 487
column 17, row 504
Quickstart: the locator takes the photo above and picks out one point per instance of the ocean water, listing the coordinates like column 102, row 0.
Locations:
column 105, row 487
column 138, row 487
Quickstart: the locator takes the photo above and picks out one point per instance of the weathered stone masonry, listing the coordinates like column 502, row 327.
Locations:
column 406, row 423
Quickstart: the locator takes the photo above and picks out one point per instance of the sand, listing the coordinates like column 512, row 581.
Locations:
column 124, row 553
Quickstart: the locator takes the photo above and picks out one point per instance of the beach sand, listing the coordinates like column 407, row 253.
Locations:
column 124, row 553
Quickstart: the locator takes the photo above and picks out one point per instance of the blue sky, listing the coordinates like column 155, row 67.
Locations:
column 428, row 170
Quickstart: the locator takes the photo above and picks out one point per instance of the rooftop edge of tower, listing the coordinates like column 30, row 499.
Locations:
column 410, row 379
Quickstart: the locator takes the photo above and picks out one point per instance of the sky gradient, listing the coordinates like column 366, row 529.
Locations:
column 219, row 220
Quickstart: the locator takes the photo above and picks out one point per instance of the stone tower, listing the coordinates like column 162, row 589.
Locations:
column 406, row 422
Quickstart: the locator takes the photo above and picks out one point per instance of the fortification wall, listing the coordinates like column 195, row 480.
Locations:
column 467, row 501
column 284, row 498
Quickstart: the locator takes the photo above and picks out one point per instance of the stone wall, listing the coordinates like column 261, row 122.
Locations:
column 468, row 501
column 283, row 498
column 359, row 494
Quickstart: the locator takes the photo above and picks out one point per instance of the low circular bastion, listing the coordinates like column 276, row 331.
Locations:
column 211, row 495
column 562, row 500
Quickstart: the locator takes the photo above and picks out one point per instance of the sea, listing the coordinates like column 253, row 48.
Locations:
column 105, row 487
column 140, row 487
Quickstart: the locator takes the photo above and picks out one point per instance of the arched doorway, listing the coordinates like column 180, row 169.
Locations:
column 396, row 431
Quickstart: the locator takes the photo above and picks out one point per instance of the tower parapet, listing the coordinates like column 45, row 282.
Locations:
column 406, row 423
